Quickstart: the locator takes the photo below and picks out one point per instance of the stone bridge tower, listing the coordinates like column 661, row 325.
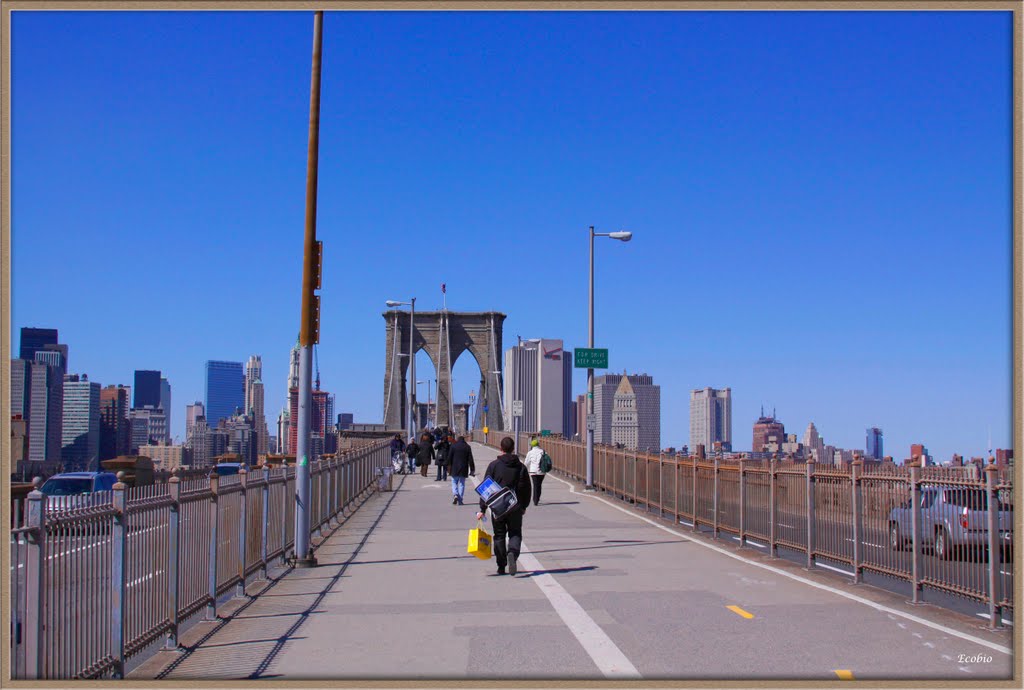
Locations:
column 445, row 336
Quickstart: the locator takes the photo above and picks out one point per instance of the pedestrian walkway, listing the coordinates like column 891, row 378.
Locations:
column 602, row 592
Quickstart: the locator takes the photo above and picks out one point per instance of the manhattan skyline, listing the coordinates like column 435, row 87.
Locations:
column 820, row 201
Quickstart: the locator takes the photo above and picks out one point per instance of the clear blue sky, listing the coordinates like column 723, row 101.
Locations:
column 821, row 201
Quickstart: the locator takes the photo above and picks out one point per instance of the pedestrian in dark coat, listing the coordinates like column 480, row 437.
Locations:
column 507, row 471
column 425, row 454
column 441, row 450
column 460, row 466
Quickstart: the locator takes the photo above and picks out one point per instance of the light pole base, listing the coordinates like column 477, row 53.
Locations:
column 590, row 488
column 307, row 562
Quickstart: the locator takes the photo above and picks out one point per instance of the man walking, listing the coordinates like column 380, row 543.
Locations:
column 532, row 462
column 460, row 466
column 507, row 471
column 441, row 449
column 425, row 453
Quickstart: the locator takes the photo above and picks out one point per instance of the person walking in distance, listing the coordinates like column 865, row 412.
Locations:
column 397, row 450
column 410, row 452
column 507, row 471
column 532, row 462
column 441, row 449
column 460, row 466
column 425, row 453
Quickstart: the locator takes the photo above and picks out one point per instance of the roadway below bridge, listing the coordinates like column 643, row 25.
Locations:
column 602, row 592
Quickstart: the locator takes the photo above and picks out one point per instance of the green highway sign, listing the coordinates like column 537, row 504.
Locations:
column 545, row 432
column 590, row 358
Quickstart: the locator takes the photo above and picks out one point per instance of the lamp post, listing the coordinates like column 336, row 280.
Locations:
column 412, row 356
column 429, row 383
column 622, row 236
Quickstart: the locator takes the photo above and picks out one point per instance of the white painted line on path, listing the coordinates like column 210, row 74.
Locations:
column 986, row 617
column 605, row 654
column 830, row 567
column 791, row 576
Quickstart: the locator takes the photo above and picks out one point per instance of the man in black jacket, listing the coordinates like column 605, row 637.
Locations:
column 506, row 470
column 460, row 466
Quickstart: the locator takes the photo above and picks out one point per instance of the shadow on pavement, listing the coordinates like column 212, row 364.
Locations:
column 612, row 546
column 558, row 571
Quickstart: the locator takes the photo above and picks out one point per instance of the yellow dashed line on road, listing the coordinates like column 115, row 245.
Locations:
column 844, row 674
column 741, row 612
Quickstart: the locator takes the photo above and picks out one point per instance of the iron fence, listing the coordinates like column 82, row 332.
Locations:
column 109, row 578
column 945, row 529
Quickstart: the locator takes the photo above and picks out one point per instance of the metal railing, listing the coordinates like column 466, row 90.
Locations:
column 872, row 521
column 105, row 582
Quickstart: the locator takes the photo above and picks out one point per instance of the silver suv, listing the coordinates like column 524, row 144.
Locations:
column 951, row 518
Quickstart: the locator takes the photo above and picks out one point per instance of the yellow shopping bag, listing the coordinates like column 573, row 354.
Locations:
column 479, row 542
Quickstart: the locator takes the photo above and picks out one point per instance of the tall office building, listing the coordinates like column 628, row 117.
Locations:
column 535, row 373
column 345, row 420
column 254, row 399
column 873, row 447
column 192, row 412
column 148, row 427
column 199, row 442
column 711, row 418
column 284, row 432
column 322, row 419
column 636, row 415
column 80, row 429
column 55, row 356
column 37, row 393
column 648, row 401
column 165, row 404
column 147, row 389
column 115, row 432
column 34, row 339
column 581, row 416
column 814, row 445
column 293, row 366
column 768, row 430
column 225, row 390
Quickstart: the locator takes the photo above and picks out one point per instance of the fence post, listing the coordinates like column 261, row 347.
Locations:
column 35, row 584
column 995, row 549
column 173, row 558
column 773, row 467
column 265, row 521
column 915, row 528
column 332, row 488
column 635, row 495
column 743, row 503
column 285, row 496
column 211, row 604
column 809, row 467
column 855, row 503
column 693, row 460
column 243, row 531
column 118, row 574
column 661, row 485
column 714, row 501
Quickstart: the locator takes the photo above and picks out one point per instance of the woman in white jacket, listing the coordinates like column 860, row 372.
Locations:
column 532, row 463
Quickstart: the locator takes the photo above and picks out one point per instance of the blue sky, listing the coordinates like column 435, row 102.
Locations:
column 821, row 202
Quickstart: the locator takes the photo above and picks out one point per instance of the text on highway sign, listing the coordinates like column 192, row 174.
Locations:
column 590, row 358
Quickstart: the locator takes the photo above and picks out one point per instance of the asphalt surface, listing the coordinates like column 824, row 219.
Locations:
column 603, row 591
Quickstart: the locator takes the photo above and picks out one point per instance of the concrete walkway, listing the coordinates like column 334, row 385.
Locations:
column 602, row 593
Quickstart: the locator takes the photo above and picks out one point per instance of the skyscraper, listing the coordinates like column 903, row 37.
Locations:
column 192, row 412
column 768, row 430
column 322, row 419
column 147, row 389
column 711, row 418
column 636, row 414
column 254, row 399
column 814, row 445
column 284, row 432
column 648, row 402
column 535, row 373
column 54, row 355
column 115, row 431
column 165, row 405
column 625, row 421
column 148, row 426
column 225, row 390
column 33, row 339
column 873, row 447
column 80, row 432
column 46, row 413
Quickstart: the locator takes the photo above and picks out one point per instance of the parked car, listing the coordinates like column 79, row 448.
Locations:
column 952, row 518
column 226, row 469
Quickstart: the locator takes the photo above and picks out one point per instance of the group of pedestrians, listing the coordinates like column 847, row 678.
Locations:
column 454, row 459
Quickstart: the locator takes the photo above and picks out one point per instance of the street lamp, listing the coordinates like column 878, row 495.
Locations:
column 412, row 355
column 429, row 383
column 501, row 402
column 622, row 236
